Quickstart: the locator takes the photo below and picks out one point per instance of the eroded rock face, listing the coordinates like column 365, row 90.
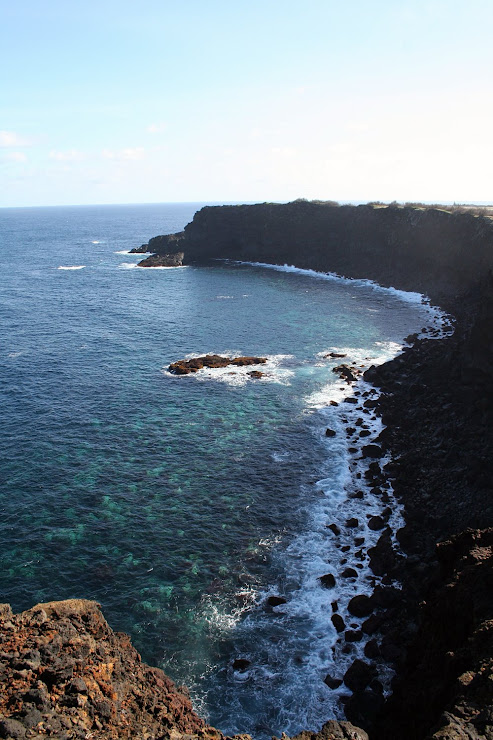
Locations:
column 64, row 673
column 185, row 367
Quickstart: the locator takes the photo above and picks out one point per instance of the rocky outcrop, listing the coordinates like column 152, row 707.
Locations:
column 334, row 731
column 174, row 259
column 185, row 367
column 64, row 673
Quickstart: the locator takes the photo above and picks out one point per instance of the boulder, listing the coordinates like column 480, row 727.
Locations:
column 275, row 600
column 332, row 683
column 374, row 451
column 360, row 606
column 359, row 675
column 338, row 622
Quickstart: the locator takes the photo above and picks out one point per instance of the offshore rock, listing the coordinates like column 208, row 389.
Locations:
column 185, row 367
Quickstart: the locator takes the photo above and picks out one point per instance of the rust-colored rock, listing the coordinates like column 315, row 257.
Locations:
column 65, row 673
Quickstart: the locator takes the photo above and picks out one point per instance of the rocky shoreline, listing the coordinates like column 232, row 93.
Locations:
column 436, row 403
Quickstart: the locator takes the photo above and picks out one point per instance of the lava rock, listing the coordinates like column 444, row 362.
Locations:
column 338, row 622
column 360, row 606
column 359, row 675
column 275, row 600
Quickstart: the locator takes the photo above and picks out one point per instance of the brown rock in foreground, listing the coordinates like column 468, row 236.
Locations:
column 333, row 730
column 64, row 673
column 185, row 367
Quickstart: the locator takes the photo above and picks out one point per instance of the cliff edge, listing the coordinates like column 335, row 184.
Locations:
column 428, row 250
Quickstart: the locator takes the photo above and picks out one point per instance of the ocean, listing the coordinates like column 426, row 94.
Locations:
column 182, row 504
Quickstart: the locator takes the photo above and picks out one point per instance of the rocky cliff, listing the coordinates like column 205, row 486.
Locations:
column 431, row 251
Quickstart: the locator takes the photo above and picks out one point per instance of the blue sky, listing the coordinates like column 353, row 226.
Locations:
column 224, row 100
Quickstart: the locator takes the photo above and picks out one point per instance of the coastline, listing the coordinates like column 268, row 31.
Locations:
column 436, row 403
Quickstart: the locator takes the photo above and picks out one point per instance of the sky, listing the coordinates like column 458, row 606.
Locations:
column 112, row 101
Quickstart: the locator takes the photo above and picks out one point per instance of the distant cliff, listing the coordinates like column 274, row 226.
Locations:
column 431, row 251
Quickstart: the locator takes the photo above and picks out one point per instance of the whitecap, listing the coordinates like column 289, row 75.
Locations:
column 127, row 265
column 70, row 267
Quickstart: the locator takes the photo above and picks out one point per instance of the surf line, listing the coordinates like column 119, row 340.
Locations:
column 336, row 567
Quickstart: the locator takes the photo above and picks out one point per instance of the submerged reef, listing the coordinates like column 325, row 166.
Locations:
column 65, row 674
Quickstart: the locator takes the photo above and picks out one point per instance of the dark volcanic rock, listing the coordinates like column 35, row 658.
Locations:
column 359, row 675
column 346, row 373
column 328, row 580
column 163, row 260
column 360, row 606
column 332, row 683
column 372, row 451
column 275, row 600
column 338, row 622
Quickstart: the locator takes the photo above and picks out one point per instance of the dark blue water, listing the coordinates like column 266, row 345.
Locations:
column 178, row 503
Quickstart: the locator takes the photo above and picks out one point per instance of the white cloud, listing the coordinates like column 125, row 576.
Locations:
column 71, row 155
column 156, row 128
column 134, row 154
column 10, row 138
column 15, row 157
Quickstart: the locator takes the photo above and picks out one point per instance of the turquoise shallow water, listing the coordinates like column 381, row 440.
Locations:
column 178, row 503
